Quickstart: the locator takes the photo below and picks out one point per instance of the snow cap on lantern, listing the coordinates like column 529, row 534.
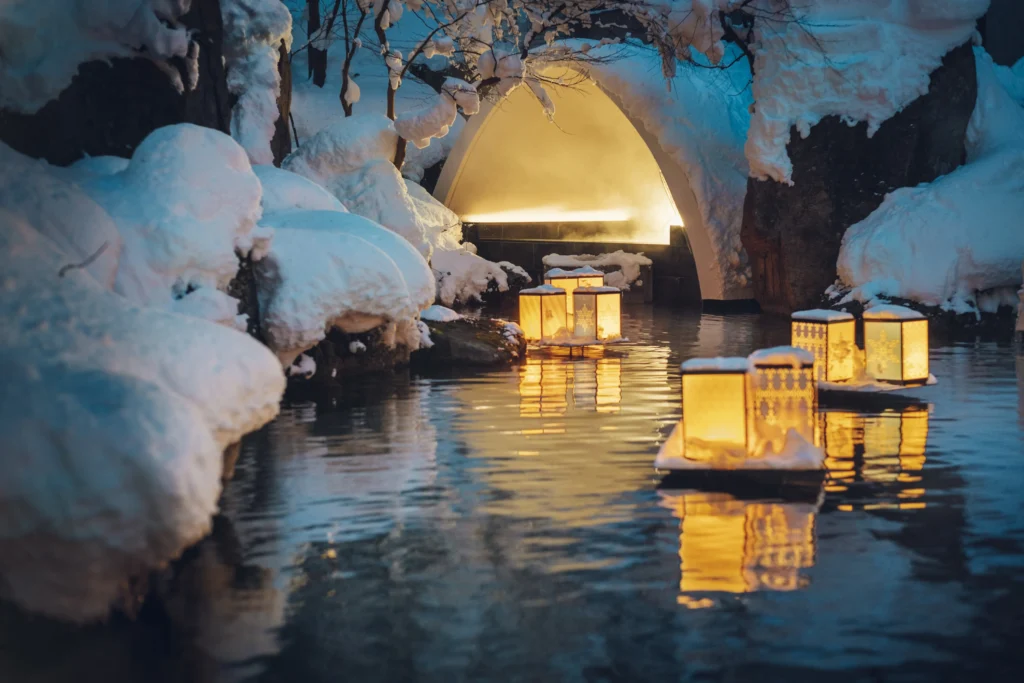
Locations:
column 896, row 345
column 542, row 313
column 831, row 337
column 570, row 280
column 715, row 408
column 598, row 313
column 784, row 394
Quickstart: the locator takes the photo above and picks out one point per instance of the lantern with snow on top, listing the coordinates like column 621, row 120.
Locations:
column 542, row 313
column 598, row 313
column 896, row 345
column 832, row 337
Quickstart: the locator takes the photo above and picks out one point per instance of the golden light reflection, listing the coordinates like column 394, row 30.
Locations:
column 886, row 448
column 549, row 387
column 738, row 546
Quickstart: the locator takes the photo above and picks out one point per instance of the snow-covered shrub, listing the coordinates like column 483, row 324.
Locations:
column 352, row 158
column 627, row 264
column 113, row 420
column 254, row 33
column 941, row 243
column 286, row 191
column 330, row 269
column 45, row 42
column 462, row 276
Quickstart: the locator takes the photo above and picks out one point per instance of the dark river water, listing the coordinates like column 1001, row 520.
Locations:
column 509, row 526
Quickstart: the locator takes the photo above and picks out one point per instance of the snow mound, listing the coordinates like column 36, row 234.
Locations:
column 186, row 208
column 627, row 263
column 255, row 31
column 439, row 314
column 941, row 243
column 701, row 121
column 352, row 158
column 463, row 277
column 60, row 210
column 45, row 42
column 116, row 417
column 286, row 191
column 833, row 57
column 329, row 269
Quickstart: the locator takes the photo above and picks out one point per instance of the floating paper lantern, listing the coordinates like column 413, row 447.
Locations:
column 784, row 394
column 715, row 407
column 570, row 280
column 831, row 337
column 598, row 313
column 896, row 345
column 542, row 313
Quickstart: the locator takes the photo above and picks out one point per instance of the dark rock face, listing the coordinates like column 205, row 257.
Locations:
column 336, row 359
column 110, row 108
column 477, row 342
column 243, row 287
column 492, row 296
column 792, row 234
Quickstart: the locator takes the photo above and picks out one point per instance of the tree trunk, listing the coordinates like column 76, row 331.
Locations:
column 316, row 59
column 792, row 234
column 281, row 143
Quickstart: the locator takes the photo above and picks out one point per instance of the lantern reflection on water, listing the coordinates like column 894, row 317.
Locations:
column 544, row 386
column 738, row 546
column 570, row 280
column 785, row 394
column 715, row 408
column 542, row 313
column 886, row 448
column 831, row 337
column 598, row 313
column 896, row 345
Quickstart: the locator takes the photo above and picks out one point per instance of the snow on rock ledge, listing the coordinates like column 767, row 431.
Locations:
column 942, row 243
column 329, row 269
column 46, row 41
column 834, row 57
column 113, row 419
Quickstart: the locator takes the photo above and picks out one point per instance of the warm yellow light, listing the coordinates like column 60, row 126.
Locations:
column 548, row 214
column 784, row 394
column 543, row 387
column 831, row 337
column 714, row 406
column 896, row 345
column 736, row 546
column 597, row 313
column 570, row 280
column 542, row 313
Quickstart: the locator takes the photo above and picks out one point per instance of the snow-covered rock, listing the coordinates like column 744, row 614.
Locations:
column 330, row 269
column 254, row 33
column 942, row 243
column 113, row 419
column 45, row 42
column 352, row 158
column 439, row 314
column 463, row 277
column 628, row 265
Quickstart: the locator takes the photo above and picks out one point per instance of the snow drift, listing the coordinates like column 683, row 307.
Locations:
column 941, row 243
column 113, row 419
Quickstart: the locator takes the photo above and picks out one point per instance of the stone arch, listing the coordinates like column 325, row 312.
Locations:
column 509, row 137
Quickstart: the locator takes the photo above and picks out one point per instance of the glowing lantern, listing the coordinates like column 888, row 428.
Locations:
column 896, row 345
column 831, row 337
column 714, row 406
column 784, row 394
column 542, row 313
column 570, row 280
column 598, row 313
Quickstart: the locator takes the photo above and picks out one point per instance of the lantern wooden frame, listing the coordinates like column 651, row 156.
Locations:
column 547, row 303
column 571, row 280
column 822, row 332
column 780, row 378
column 896, row 345
column 604, row 320
column 702, row 399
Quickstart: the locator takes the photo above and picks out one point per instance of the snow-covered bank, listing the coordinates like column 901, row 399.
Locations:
column 113, row 420
column 943, row 243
